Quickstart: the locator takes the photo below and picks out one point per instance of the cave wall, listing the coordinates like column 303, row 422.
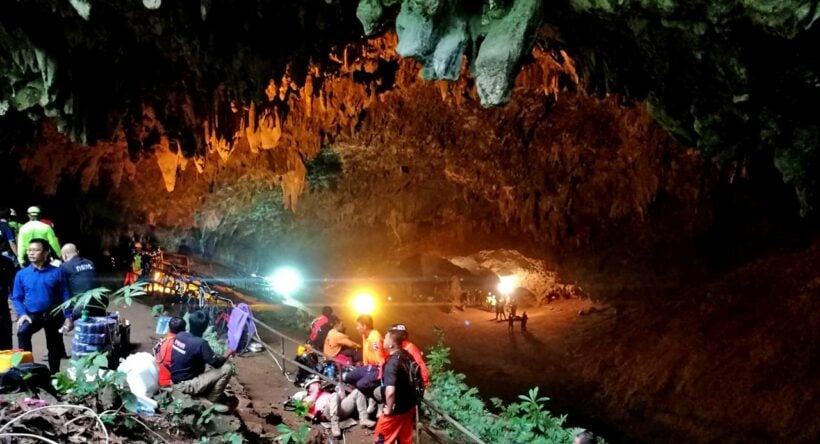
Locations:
column 555, row 172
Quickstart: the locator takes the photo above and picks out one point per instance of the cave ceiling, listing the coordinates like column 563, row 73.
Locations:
column 737, row 79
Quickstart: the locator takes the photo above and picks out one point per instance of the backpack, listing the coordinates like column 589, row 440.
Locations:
column 162, row 356
column 413, row 370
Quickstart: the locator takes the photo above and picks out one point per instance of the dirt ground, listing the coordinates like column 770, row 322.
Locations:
column 731, row 360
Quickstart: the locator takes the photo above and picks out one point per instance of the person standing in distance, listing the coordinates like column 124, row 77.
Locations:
column 34, row 229
column 38, row 289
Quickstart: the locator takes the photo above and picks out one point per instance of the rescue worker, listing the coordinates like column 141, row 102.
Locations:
column 338, row 343
column 38, row 290
column 8, row 266
column 366, row 376
column 336, row 406
column 82, row 276
column 316, row 339
column 34, row 229
column 400, row 330
column 190, row 353
column 398, row 415
column 8, row 235
column 13, row 222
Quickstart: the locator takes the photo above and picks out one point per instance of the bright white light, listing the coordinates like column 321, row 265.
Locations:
column 364, row 303
column 286, row 281
column 507, row 284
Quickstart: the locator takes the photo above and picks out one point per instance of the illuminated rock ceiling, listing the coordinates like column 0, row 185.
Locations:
column 735, row 79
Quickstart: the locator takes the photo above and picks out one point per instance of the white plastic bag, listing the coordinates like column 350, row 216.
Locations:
column 142, row 374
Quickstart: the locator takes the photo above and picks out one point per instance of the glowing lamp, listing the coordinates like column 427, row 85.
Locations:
column 507, row 284
column 364, row 303
column 286, row 281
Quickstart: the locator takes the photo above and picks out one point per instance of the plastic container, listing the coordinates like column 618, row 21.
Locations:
column 6, row 355
column 162, row 325
column 141, row 373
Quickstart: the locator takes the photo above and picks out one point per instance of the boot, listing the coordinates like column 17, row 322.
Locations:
column 335, row 430
column 366, row 422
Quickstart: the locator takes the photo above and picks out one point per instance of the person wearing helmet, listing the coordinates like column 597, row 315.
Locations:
column 335, row 406
column 404, row 342
column 35, row 229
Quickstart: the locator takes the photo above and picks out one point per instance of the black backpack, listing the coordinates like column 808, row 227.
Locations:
column 413, row 370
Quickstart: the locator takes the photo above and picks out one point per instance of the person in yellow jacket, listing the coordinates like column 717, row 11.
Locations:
column 34, row 229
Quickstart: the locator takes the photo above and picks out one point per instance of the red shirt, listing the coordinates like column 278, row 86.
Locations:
column 317, row 324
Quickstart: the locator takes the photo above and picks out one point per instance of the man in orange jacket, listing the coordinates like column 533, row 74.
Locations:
column 402, row 334
column 366, row 377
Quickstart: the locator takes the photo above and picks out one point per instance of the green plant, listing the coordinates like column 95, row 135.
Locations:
column 291, row 436
column 87, row 381
column 301, row 407
column 95, row 297
column 526, row 421
column 217, row 345
column 157, row 310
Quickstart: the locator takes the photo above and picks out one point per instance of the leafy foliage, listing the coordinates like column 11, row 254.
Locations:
column 87, row 381
column 526, row 421
column 94, row 297
column 291, row 436
column 217, row 344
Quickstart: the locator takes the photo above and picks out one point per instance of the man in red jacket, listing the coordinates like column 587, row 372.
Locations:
column 402, row 333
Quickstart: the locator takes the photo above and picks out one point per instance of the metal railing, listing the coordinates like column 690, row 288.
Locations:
column 324, row 377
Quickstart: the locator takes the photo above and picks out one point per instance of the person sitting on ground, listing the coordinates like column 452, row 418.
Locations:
column 335, row 406
column 188, row 358
column 163, row 351
column 338, row 343
column 82, row 276
column 400, row 331
column 585, row 437
column 317, row 325
column 366, row 376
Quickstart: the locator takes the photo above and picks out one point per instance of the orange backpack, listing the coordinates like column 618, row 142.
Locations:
column 163, row 358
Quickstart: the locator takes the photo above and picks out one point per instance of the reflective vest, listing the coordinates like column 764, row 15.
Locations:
column 163, row 359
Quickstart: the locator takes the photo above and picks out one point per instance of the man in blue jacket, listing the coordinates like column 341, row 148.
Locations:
column 189, row 356
column 38, row 290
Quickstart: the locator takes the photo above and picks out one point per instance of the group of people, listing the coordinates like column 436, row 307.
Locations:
column 383, row 370
column 37, row 282
column 187, row 362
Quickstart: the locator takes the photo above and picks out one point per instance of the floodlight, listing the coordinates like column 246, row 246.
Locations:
column 364, row 303
column 507, row 284
column 286, row 281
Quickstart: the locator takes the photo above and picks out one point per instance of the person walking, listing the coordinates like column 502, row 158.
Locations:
column 38, row 290
column 35, row 229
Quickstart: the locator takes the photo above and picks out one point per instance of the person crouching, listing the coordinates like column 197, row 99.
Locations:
column 190, row 353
